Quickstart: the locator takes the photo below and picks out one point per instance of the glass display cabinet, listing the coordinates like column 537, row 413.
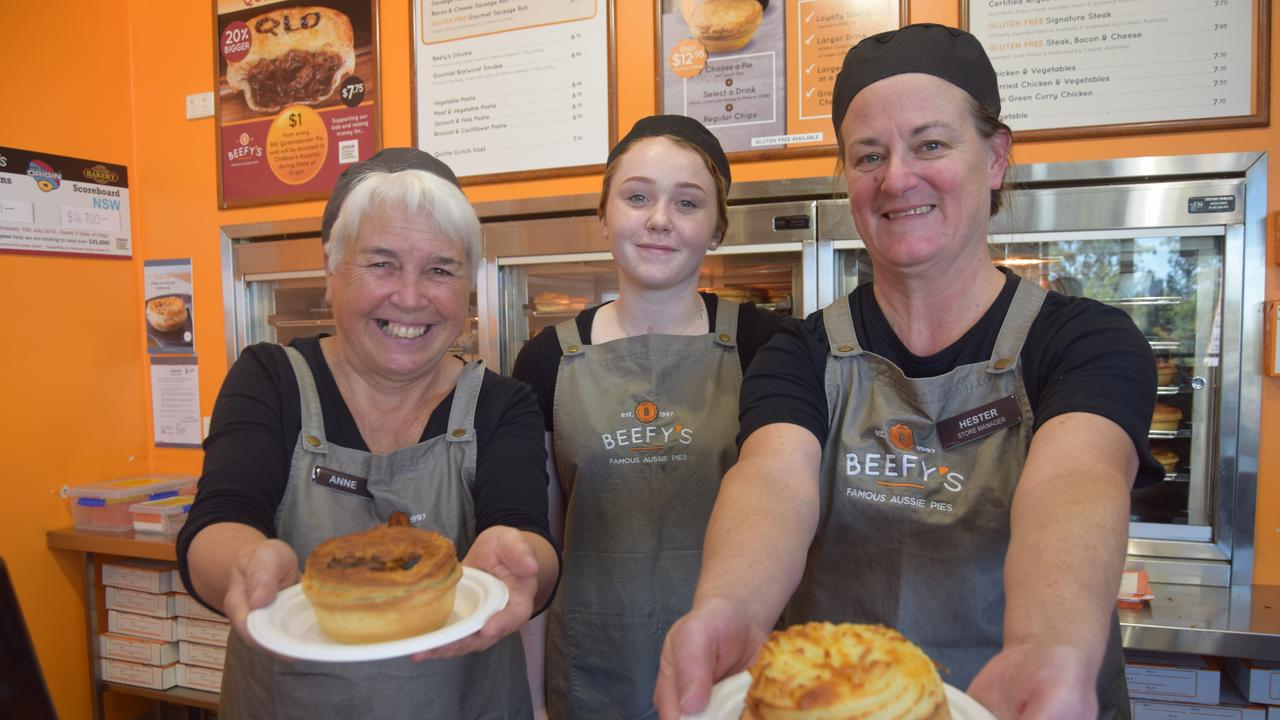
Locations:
column 278, row 290
column 540, row 271
column 1178, row 244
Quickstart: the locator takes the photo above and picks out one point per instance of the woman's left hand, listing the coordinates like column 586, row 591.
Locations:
column 1037, row 682
column 507, row 554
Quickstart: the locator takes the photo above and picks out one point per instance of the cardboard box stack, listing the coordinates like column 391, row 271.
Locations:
column 202, row 645
column 1258, row 681
column 1168, row 686
column 140, row 646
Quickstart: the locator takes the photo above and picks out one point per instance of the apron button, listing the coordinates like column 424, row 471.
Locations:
column 572, row 348
column 459, row 432
column 725, row 337
column 313, row 441
column 1003, row 363
column 845, row 348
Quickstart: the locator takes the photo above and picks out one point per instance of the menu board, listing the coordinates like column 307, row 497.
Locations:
column 1089, row 63
column 503, row 87
column 297, row 96
column 55, row 204
column 759, row 74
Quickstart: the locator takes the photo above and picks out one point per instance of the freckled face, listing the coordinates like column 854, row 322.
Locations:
column 661, row 213
column 918, row 172
column 399, row 295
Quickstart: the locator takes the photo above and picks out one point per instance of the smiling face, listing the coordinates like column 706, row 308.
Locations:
column 399, row 294
column 660, row 213
column 918, row 172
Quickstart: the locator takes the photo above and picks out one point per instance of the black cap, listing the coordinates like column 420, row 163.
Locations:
column 685, row 128
column 945, row 52
column 389, row 160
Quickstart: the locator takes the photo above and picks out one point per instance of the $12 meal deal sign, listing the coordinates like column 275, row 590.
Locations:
column 56, row 204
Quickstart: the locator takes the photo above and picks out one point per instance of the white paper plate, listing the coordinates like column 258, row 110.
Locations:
column 728, row 694
column 288, row 626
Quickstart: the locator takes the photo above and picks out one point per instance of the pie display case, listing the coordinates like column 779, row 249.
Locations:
column 543, row 271
column 1177, row 243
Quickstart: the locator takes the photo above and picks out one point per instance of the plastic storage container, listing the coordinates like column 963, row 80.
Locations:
column 164, row 516
column 105, row 506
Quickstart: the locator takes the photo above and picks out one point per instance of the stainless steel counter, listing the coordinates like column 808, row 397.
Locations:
column 1234, row 622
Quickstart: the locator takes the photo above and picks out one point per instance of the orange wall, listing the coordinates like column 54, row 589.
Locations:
column 71, row 372
column 116, row 93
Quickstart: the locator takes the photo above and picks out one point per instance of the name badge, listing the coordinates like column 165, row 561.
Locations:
column 979, row 422
column 334, row 480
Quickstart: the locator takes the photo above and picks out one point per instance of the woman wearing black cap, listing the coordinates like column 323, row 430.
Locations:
column 640, row 400
column 337, row 434
column 947, row 451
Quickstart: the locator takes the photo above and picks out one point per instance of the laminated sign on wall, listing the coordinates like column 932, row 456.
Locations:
column 56, row 204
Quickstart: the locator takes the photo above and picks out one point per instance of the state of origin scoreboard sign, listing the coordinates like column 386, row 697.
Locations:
column 56, row 204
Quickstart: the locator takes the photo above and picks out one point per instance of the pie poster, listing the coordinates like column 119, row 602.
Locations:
column 169, row 320
column 759, row 73
column 297, row 97
column 55, row 204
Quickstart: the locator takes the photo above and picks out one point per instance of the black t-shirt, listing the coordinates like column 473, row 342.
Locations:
column 1079, row 356
column 539, row 360
column 256, row 422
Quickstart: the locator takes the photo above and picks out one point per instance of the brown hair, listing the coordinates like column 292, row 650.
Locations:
column 722, row 193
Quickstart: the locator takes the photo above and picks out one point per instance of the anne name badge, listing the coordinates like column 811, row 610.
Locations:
column 334, row 480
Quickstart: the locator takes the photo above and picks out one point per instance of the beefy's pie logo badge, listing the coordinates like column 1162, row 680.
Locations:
column 646, row 411
column 901, row 437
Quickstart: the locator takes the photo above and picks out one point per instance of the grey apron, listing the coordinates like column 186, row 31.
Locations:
column 913, row 534
column 644, row 430
column 431, row 482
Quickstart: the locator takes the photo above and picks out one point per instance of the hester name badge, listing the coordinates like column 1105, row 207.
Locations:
column 979, row 422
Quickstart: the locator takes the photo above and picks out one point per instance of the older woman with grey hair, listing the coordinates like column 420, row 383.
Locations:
column 336, row 434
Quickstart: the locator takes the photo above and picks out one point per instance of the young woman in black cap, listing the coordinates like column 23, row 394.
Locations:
column 948, row 451
column 640, row 400
column 337, row 434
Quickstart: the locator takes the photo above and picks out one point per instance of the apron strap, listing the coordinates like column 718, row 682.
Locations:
column 466, row 395
column 726, row 329
column 570, row 341
column 1027, row 300
column 838, row 319
column 312, row 418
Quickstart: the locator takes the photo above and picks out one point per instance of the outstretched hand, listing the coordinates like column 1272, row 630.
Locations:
column 712, row 641
column 505, row 553
column 1037, row 682
column 257, row 576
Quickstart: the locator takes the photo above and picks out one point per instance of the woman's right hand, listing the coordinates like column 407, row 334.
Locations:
column 711, row 642
column 260, row 572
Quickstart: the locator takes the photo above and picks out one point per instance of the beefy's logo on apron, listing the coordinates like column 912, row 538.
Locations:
column 910, row 476
column 658, row 438
column 903, row 475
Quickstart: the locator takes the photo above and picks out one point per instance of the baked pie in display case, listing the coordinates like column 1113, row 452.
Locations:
column 296, row 55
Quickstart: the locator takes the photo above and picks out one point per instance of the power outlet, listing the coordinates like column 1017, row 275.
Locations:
column 199, row 105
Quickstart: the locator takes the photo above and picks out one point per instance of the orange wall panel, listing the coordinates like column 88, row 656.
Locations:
column 71, row 370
